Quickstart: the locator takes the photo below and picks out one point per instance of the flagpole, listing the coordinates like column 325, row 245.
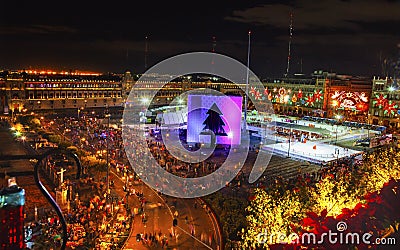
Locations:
column 247, row 84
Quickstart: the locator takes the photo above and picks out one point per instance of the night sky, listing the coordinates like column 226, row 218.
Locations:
column 347, row 37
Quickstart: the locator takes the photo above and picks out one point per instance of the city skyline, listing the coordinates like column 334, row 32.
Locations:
column 348, row 37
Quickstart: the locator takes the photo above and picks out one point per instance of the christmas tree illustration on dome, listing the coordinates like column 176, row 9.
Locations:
column 214, row 122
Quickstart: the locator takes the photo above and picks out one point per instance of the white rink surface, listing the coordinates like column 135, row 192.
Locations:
column 322, row 154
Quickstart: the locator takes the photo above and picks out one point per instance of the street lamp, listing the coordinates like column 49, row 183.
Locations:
column 336, row 134
column 338, row 117
column 368, row 124
column 290, row 135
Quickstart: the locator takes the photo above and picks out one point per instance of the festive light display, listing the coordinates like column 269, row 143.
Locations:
column 288, row 96
column 390, row 108
column 318, row 95
column 350, row 100
column 310, row 100
column 282, row 91
column 266, row 93
column 380, row 100
column 300, row 94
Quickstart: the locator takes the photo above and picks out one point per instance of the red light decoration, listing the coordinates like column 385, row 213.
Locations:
column 300, row 94
column 282, row 91
column 362, row 106
column 258, row 95
column 266, row 92
column 350, row 100
column 390, row 108
column 253, row 90
column 318, row 95
column 310, row 100
column 380, row 101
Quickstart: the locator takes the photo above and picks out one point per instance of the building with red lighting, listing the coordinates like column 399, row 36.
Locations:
column 323, row 94
column 384, row 108
column 348, row 97
column 12, row 201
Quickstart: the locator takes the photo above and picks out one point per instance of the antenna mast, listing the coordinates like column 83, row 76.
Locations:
column 247, row 85
column 146, row 50
column 290, row 43
column 214, row 44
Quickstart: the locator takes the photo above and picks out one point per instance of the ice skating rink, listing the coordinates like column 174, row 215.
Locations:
column 316, row 152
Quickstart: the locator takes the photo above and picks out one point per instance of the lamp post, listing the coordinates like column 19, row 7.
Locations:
column 368, row 124
column 337, row 117
column 290, row 135
column 336, row 134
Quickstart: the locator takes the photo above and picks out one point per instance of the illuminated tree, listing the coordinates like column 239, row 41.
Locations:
column 275, row 213
column 334, row 195
column 365, row 196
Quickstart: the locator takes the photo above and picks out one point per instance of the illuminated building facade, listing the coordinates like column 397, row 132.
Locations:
column 322, row 94
column 27, row 91
column 384, row 108
column 348, row 97
column 295, row 96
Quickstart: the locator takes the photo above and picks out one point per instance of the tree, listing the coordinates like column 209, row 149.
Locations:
column 214, row 121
